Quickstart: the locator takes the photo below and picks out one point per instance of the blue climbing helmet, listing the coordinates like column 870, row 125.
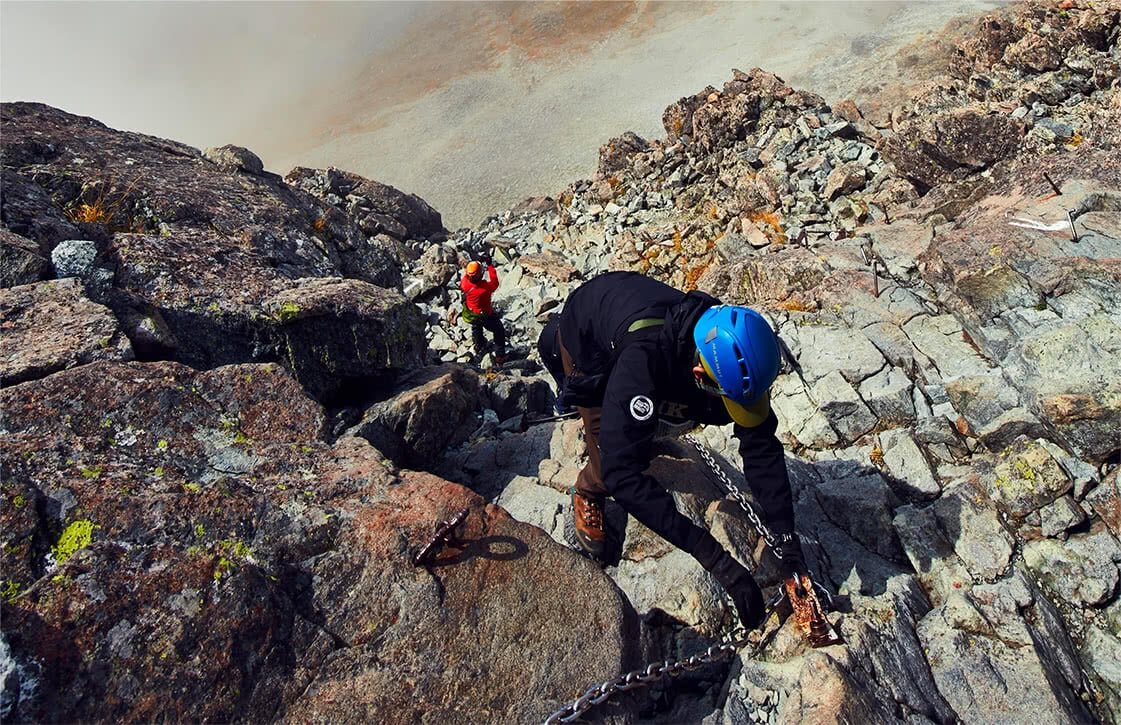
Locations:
column 740, row 354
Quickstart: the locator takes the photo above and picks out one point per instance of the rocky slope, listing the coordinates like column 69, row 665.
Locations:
column 238, row 411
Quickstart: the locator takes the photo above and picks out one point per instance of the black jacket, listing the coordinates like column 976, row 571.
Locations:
column 650, row 378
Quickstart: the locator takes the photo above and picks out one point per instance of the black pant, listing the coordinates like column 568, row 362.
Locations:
column 548, row 346
column 492, row 323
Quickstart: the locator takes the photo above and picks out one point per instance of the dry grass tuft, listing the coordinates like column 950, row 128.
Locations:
column 105, row 208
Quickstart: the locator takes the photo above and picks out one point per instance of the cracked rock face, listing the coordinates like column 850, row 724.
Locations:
column 223, row 535
column 951, row 425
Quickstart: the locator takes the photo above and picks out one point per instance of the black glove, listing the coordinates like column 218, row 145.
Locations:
column 792, row 563
column 739, row 583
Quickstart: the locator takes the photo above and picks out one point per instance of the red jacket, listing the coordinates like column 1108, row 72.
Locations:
column 478, row 292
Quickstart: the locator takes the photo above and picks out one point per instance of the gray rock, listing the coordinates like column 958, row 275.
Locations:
column 842, row 407
column 907, row 463
column 998, row 655
column 892, row 343
column 674, row 583
column 979, row 538
column 1058, row 129
column 1060, row 516
column 823, row 349
column 235, row 158
column 799, row 416
column 74, row 258
column 530, row 503
column 862, row 505
column 1082, row 570
column 1101, row 651
column 888, row 394
column 941, row 340
column 510, row 395
column 931, row 553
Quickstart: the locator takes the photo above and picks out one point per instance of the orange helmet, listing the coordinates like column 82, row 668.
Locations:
column 473, row 268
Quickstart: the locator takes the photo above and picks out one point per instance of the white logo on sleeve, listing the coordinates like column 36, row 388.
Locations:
column 642, row 407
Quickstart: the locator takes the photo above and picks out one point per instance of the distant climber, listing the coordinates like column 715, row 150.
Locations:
column 478, row 310
column 640, row 360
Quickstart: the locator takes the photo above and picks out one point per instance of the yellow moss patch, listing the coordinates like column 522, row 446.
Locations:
column 75, row 537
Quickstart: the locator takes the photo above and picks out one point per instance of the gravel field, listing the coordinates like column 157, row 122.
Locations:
column 531, row 121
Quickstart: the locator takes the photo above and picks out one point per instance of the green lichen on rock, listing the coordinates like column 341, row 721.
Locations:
column 9, row 590
column 75, row 537
column 288, row 311
column 230, row 553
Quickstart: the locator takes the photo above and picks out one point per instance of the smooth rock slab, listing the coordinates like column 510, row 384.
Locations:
column 52, row 326
column 941, row 340
column 822, row 350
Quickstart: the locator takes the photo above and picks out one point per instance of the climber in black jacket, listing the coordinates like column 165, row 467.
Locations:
column 640, row 360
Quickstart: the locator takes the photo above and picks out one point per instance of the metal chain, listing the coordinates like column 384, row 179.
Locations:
column 740, row 497
column 603, row 691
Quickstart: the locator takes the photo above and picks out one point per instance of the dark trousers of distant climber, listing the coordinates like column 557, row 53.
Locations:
column 558, row 362
column 489, row 322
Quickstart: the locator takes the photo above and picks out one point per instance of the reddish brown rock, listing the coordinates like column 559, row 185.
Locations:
column 1106, row 501
column 928, row 151
column 377, row 207
column 21, row 261
column 76, row 167
column 615, row 154
column 677, row 119
column 50, row 326
column 214, row 559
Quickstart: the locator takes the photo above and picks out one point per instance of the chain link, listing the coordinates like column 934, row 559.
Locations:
column 603, row 691
column 735, row 492
column 599, row 693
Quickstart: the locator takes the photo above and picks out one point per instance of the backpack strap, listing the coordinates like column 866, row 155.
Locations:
column 645, row 322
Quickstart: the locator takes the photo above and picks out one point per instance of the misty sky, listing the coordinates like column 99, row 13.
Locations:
column 193, row 71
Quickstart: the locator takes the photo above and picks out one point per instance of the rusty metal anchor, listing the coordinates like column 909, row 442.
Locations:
column 446, row 535
column 809, row 617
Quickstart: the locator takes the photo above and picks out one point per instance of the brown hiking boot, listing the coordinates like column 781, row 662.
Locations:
column 591, row 531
